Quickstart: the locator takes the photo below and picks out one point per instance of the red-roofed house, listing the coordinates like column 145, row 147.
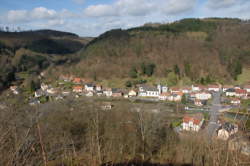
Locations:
column 192, row 122
column 247, row 88
column 215, row 88
column 77, row 80
column 241, row 93
column 78, row 89
column 164, row 96
column 235, row 101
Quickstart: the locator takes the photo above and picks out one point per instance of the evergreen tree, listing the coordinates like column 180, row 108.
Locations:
column 177, row 70
column 133, row 72
column 150, row 69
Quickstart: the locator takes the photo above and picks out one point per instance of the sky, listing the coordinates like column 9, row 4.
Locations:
column 94, row 17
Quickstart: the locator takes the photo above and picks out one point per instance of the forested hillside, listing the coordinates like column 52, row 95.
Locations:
column 23, row 55
column 193, row 50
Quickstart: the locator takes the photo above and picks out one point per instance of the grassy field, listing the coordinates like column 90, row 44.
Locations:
column 244, row 77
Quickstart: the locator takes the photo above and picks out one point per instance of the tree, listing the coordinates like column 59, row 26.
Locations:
column 187, row 68
column 143, row 68
column 128, row 84
column 172, row 79
column 150, row 69
column 177, row 70
column 133, row 72
column 184, row 99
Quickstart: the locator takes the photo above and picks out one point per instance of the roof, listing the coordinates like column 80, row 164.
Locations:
column 241, row 91
column 230, row 90
column 228, row 86
column 196, row 118
column 165, row 94
column 247, row 86
column 213, row 86
column 90, row 85
column 77, row 87
column 228, row 126
column 149, row 88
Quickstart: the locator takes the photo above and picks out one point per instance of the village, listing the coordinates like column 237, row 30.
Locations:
column 195, row 97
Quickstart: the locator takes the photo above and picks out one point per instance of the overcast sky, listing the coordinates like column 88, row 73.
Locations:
column 93, row 17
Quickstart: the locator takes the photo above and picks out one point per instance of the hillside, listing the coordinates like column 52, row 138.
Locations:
column 189, row 50
column 23, row 55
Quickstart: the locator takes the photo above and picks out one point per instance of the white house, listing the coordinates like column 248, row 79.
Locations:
column 39, row 93
column 215, row 88
column 186, row 90
column 226, row 130
column 89, row 87
column 230, row 92
column 192, row 123
column 198, row 103
column 52, row 91
column 89, row 94
column 98, row 88
column 107, row 92
column 203, row 96
column 195, row 88
column 44, row 86
column 14, row 90
column 132, row 93
column 148, row 91
column 247, row 88
column 235, row 101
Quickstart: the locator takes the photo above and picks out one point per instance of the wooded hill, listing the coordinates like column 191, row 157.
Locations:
column 25, row 54
column 197, row 50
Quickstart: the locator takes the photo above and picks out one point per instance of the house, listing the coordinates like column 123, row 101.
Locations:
column 195, row 88
column 39, row 93
column 107, row 92
column 90, row 94
column 226, row 130
column 65, row 78
column 164, row 96
column 145, row 91
column 241, row 93
column 198, row 102
column 99, row 93
column 235, row 101
column 230, row 92
column 186, row 90
column 59, row 97
column 52, row 91
column 214, row 88
column 65, row 93
column 177, row 96
column 132, row 93
column 175, row 90
column 89, row 87
column 192, row 122
column 116, row 93
column 164, row 89
column 98, row 88
column 106, row 106
column 226, row 87
column 14, row 90
column 203, row 95
column 44, row 86
column 34, row 102
column 78, row 89
column 77, row 80
column 247, row 88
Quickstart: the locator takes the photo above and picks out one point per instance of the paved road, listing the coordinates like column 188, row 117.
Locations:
column 214, row 111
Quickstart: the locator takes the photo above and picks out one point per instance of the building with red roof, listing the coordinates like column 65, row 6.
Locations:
column 192, row 122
